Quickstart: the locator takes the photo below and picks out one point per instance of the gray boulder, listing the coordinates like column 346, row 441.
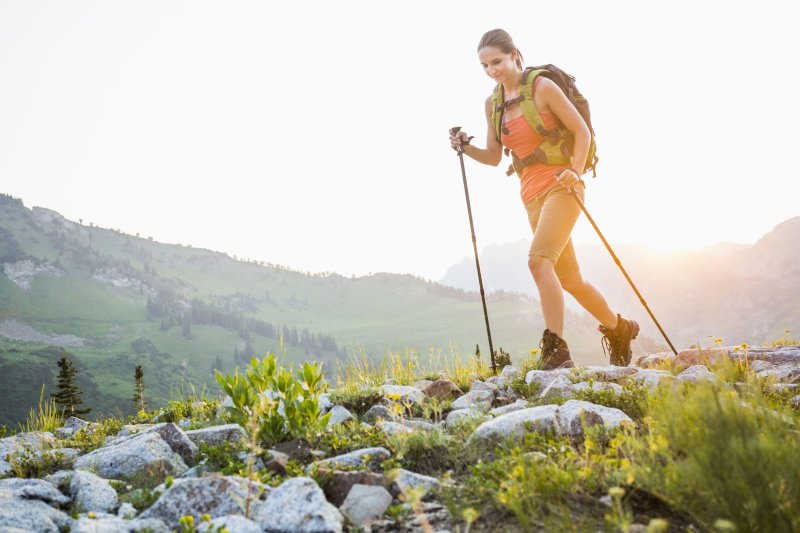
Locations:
column 406, row 394
column 70, row 427
column 695, row 374
column 92, row 493
column 173, row 435
column 370, row 458
column 571, row 413
column 483, row 385
column 651, row 378
column 375, row 412
column 516, row 406
column 127, row 511
column 141, row 457
column 106, row 523
column 514, row 425
column 598, row 386
column 510, row 372
column 324, row 402
column 480, row 400
column 27, row 505
column 365, row 503
column 213, row 495
column 460, row 415
column 339, row 415
column 217, row 435
column 564, row 419
column 786, row 374
column 393, row 428
column 298, row 505
column 31, row 442
column 558, row 387
column 404, row 481
column 607, row 372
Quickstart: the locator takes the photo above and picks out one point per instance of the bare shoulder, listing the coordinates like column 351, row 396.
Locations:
column 545, row 85
column 544, row 93
column 488, row 105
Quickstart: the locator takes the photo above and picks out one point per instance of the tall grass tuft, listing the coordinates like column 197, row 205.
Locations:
column 46, row 417
column 719, row 456
column 408, row 366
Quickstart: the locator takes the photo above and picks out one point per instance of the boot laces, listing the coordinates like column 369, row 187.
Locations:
column 612, row 344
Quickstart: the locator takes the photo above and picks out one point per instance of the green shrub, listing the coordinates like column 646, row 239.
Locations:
column 632, row 400
column 357, row 400
column 430, row 453
column 299, row 399
column 719, row 456
column 92, row 437
column 29, row 464
column 349, row 436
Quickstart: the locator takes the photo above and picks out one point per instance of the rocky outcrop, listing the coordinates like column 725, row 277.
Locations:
column 298, row 505
column 216, row 496
column 145, row 456
column 566, row 419
column 23, row 272
column 31, row 505
column 92, row 493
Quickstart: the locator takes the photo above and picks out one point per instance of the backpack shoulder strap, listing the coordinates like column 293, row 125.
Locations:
column 497, row 109
column 527, row 104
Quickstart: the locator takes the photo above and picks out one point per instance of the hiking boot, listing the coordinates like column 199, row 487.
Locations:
column 617, row 342
column 555, row 352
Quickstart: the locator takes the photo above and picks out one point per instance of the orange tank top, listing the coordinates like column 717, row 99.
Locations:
column 538, row 177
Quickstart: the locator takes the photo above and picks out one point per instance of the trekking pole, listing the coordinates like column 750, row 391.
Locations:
column 616, row 260
column 460, row 150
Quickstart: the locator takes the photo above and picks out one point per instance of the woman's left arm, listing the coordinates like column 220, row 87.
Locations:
column 558, row 103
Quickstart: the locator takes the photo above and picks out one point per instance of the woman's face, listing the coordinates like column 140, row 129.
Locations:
column 497, row 64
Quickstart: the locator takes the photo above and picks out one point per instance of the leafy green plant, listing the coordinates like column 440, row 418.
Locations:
column 427, row 452
column 287, row 407
column 349, row 436
column 718, row 455
column 631, row 400
column 92, row 437
column 29, row 464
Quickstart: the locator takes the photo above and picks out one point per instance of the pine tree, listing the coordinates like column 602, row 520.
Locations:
column 138, row 390
column 68, row 395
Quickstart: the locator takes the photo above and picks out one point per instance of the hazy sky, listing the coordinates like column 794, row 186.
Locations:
column 314, row 134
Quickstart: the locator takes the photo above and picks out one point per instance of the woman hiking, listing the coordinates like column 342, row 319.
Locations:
column 546, row 191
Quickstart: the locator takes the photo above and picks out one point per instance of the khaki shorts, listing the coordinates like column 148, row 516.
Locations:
column 552, row 215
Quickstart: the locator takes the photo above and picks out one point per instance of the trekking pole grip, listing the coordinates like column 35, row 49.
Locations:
column 454, row 132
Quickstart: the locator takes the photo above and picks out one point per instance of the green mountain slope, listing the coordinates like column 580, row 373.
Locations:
column 114, row 301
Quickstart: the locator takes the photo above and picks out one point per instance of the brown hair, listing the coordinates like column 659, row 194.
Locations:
column 502, row 40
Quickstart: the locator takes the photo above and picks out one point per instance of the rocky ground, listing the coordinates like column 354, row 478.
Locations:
column 153, row 476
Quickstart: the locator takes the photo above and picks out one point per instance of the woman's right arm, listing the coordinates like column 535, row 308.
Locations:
column 493, row 153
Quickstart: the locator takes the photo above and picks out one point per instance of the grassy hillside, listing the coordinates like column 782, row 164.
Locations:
column 181, row 312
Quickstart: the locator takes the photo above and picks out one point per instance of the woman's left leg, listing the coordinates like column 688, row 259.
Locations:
column 590, row 298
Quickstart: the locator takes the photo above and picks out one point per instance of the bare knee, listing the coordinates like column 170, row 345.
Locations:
column 540, row 267
column 572, row 283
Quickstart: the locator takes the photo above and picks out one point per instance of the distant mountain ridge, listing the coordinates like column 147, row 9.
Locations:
column 739, row 292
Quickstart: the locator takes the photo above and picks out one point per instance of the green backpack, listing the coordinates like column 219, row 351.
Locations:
column 559, row 143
